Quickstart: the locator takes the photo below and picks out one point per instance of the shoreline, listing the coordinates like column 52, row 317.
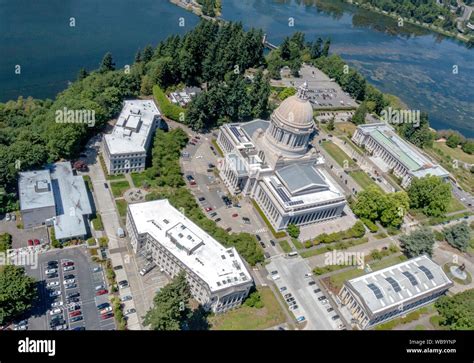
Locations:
column 437, row 30
column 195, row 9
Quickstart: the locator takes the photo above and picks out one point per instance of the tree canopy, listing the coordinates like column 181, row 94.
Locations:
column 17, row 292
column 419, row 242
column 457, row 312
column 458, row 235
column 430, row 194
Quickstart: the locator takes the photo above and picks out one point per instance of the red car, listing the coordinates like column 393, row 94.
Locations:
column 68, row 263
column 208, row 209
column 75, row 313
column 101, row 292
column 107, row 316
column 192, row 182
column 36, row 241
column 30, row 242
column 235, row 215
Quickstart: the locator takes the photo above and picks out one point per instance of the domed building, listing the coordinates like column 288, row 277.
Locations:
column 274, row 163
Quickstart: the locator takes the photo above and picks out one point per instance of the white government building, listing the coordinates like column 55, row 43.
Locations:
column 404, row 159
column 386, row 294
column 274, row 163
column 216, row 274
column 125, row 149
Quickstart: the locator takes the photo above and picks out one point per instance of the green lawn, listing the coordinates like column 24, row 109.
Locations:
column 455, row 205
column 336, row 245
column 338, row 279
column 121, row 207
column 88, row 181
column 119, row 187
column 140, row 178
column 217, row 147
column 285, row 246
column 97, row 223
column 247, row 318
column 362, row 179
column 354, row 146
column 455, row 153
column 297, row 244
column 337, row 154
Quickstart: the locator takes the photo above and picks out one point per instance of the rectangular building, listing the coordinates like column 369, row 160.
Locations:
column 217, row 275
column 125, row 149
column 386, row 294
column 56, row 197
column 402, row 158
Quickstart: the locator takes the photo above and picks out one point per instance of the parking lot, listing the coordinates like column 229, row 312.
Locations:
column 292, row 277
column 67, row 289
column 20, row 237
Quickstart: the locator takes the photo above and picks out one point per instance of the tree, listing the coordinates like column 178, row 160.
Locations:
column 293, row 230
column 430, row 194
column 468, row 147
column 107, row 63
column 359, row 114
column 457, row 312
column 331, row 124
column 316, row 48
column 170, row 306
column 453, row 140
column 138, row 56
column 82, row 74
column 419, row 242
column 254, row 300
column 458, row 236
column 147, row 53
column 327, row 45
column 17, row 292
column 5, row 242
column 419, row 134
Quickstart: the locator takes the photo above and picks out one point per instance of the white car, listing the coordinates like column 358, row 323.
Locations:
column 130, row 311
column 55, row 293
column 125, row 298
column 99, row 287
column 20, row 327
column 69, row 281
column 68, row 268
column 56, row 304
column 60, row 327
column 309, row 274
column 275, row 277
column 51, row 271
column 55, row 311
column 8, row 217
column 52, row 284
column 293, row 307
column 97, row 269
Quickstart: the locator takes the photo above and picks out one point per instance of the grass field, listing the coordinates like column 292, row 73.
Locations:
column 247, row 318
column 140, row 178
column 347, row 128
column 121, row 207
column 362, row 179
column 337, row 154
column 285, row 246
column 119, row 187
column 337, row 280
column 456, row 153
column 455, row 205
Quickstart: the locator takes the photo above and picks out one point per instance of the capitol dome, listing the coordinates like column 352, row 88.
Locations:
column 292, row 125
column 296, row 111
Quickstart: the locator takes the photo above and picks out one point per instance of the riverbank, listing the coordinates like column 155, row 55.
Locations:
column 451, row 34
column 194, row 7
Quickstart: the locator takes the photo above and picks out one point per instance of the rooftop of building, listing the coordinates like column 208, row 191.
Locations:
column 220, row 267
column 301, row 185
column 35, row 190
column 133, row 126
column 403, row 151
column 384, row 289
column 72, row 201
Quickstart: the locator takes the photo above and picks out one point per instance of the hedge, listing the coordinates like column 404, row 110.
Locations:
column 168, row 109
column 370, row 225
column 356, row 231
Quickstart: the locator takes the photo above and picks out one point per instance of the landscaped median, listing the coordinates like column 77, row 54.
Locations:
column 275, row 234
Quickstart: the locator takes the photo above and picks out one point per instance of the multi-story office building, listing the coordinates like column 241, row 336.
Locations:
column 217, row 276
column 383, row 295
column 399, row 156
column 274, row 163
column 56, row 197
column 125, row 149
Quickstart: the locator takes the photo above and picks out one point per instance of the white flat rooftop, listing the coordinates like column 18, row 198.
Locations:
column 35, row 189
column 218, row 266
column 133, row 127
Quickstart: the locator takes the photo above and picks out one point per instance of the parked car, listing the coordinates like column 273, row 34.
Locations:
column 316, row 291
column 283, row 288
column 125, row 298
column 59, row 327
column 52, row 284
column 30, row 242
column 246, row 220
column 97, row 269
column 267, row 255
column 8, row 217
column 73, row 300
column 105, row 310
column 311, row 283
column 123, row 284
column 308, row 274
column 208, row 209
column 106, row 186
column 293, row 307
column 258, row 237
column 56, row 304
column 217, row 220
column 79, row 328
column 262, row 244
column 201, row 199
column 52, row 276
column 103, row 306
column 101, row 292
column 68, row 277
column 68, row 263
column 329, row 310
column 55, row 311
column 73, row 295
column 321, row 298
column 335, row 317
column 213, row 214
column 36, row 242
column 55, row 293
column 76, row 318
column 130, row 311
column 235, row 215
column 107, row 316
column 75, row 313
column 74, row 307
column 287, row 296
column 69, row 281
column 51, row 271
column 300, row 319
column 70, row 286
column 289, row 300
column 118, row 267
column 52, row 264
column 68, row 268
column 272, row 242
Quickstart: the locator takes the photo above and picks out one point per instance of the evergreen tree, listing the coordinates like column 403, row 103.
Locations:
column 147, row 54
column 82, row 74
column 107, row 63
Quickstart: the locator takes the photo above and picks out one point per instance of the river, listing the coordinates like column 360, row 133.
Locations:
column 418, row 66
